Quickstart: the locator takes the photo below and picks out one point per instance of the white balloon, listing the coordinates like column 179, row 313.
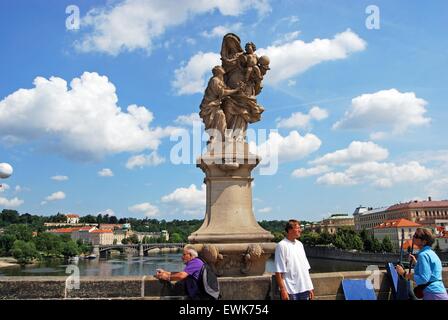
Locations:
column 5, row 170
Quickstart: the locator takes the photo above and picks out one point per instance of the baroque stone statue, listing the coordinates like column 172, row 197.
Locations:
column 229, row 100
column 230, row 238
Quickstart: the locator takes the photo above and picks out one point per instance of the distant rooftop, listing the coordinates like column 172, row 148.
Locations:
column 365, row 210
column 397, row 223
column 419, row 204
column 339, row 216
column 71, row 215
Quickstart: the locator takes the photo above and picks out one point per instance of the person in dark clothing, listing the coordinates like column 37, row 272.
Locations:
column 190, row 274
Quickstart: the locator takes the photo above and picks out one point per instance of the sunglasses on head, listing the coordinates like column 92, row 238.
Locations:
column 416, row 236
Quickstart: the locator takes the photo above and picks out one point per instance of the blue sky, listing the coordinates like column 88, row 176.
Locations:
column 360, row 112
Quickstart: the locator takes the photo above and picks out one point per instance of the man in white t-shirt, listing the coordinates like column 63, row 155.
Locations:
column 292, row 267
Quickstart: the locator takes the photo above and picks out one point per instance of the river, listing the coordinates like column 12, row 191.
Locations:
column 122, row 265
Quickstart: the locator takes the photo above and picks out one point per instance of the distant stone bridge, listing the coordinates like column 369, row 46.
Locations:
column 141, row 247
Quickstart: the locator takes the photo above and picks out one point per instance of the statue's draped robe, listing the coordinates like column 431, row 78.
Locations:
column 235, row 111
column 211, row 111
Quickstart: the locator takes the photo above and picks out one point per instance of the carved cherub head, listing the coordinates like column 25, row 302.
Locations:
column 250, row 47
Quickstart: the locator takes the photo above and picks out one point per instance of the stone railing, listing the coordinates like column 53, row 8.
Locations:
column 327, row 287
column 332, row 253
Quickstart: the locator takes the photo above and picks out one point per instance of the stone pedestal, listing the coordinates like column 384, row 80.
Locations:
column 230, row 238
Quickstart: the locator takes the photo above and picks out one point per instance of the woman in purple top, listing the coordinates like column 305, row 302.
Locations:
column 192, row 270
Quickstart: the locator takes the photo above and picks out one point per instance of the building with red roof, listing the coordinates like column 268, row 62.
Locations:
column 428, row 213
column 394, row 229
column 101, row 236
column 88, row 234
column 72, row 218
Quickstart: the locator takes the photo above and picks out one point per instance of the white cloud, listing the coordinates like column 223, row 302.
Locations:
column 189, row 201
column 59, row 195
column 390, row 173
column 10, row 203
column 336, row 178
column 388, row 111
column 143, row 160
column 292, row 20
column 136, row 24
column 307, row 172
column 106, row 172
column 189, row 198
column 190, row 78
column 220, row 31
column 4, row 187
column 293, row 58
column 191, row 41
column 287, row 60
column 357, row 151
column 382, row 175
column 188, row 119
column 438, row 188
column 146, row 208
column 287, row 37
column 265, row 210
column 303, row 121
column 289, row 148
column 59, row 178
column 291, row 83
column 83, row 122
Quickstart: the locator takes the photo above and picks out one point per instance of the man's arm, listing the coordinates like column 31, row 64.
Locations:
column 172, row 276
column 281, row 285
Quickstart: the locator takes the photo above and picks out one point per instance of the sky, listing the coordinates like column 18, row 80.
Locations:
column 94, row 96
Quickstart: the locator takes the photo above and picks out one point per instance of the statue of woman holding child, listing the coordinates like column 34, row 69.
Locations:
column 230, row 98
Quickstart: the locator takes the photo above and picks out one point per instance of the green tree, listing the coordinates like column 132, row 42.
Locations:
column 8, row 217
column 113, row 219
column 278, row 236
column 84, row 247
column 6, row 243
column 364, row 235
column 70, row 249
column 49, row 244
column 24, row 252
column 176, row 238
column 339, row 241
column 326, row 239
column 87, row 219
column 20, row 232
column 376, row 247
column 387, row 245
column 58, row 218
column 132, row 239
column 310, row 238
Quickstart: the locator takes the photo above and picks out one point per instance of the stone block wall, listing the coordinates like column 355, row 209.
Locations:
column 327, row 287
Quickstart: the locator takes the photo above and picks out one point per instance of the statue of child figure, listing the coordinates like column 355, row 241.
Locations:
column 251, row 62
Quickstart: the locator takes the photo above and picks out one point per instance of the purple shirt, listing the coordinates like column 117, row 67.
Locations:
column 193, row 268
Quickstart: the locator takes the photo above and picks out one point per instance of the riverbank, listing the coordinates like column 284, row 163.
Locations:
column 8, row 262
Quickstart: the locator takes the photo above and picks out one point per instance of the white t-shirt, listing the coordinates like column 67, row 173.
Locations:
column 290, row 259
